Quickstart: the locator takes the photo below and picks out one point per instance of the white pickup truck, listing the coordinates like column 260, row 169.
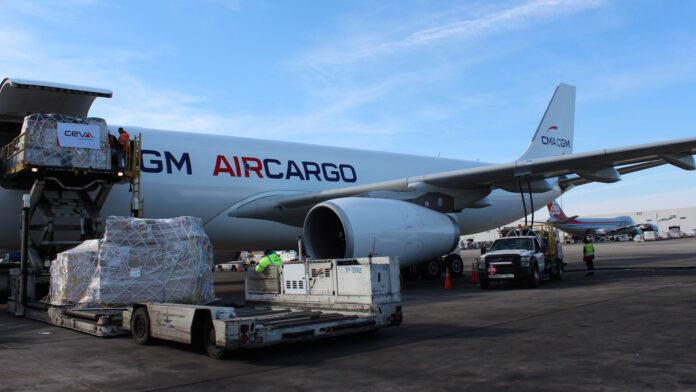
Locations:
column 521, row 258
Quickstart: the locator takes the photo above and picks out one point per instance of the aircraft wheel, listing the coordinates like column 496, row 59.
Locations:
column 410, row 272
column 431, row 269
column 455, row 264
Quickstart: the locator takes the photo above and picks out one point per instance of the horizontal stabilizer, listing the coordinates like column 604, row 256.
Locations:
column 566, row 220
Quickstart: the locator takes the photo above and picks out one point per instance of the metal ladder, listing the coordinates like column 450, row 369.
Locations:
column 133, row 172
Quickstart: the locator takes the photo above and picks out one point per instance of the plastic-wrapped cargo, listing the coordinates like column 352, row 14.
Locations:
column 72, row 272
column 650, row 235
column 158, row 260
column 64, row 141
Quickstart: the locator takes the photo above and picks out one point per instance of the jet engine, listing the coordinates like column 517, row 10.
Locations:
column 359, row 227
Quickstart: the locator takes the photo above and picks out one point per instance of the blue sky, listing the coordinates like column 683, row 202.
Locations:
column 459, row 79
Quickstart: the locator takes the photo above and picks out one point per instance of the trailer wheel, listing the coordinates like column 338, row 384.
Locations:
column 208, row 338
column 534, row 278
column 140, row 326
column 455, row 264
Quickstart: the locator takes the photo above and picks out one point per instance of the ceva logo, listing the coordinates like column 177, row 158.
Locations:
column 552, row 128
column 78, row 134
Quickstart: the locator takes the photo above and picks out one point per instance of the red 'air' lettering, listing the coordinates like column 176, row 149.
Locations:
column 222, row 166
column 236, row 164
column 252, row 168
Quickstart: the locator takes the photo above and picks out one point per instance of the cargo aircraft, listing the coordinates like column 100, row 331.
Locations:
column 256, row 194
column 580, row 227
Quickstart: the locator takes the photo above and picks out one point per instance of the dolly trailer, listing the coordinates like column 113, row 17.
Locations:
column 299, row 301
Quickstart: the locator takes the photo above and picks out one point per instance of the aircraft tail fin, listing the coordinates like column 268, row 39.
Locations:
column 554, row 135
column 556, row 211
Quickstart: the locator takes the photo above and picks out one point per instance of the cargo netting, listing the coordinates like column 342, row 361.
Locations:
column 72, row 272
column 38, row 145
column 138, row 260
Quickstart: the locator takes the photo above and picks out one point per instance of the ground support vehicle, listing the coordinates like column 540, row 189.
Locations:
column 523, row 255
column 303, row 300
column 61, row 160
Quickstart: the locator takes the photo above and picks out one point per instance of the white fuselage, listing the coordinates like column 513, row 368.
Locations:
column 204, row 175
column 598, row 226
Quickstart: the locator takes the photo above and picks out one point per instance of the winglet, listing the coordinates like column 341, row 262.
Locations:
column 554, row 135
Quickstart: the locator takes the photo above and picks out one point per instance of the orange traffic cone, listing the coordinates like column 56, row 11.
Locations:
column 473, row 273
column 448, row 283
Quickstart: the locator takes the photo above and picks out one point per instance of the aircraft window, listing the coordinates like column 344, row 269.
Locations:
column 512, row 243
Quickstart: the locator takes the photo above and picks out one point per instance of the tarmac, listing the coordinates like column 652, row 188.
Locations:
column 631, row 326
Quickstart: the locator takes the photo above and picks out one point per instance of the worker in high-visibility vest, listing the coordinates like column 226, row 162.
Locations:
column 123, row 138
column 270, row 257
column 588, row 256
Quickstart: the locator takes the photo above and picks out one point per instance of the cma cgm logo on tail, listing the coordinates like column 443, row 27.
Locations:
column 555, row 141
column 245, row 167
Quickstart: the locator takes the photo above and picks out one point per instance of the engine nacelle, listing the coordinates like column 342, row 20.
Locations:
column 359, row 227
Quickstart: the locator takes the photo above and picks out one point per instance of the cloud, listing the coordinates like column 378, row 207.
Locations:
column 512, row 18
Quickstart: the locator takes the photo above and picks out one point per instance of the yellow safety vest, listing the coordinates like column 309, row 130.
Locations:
column 589, row 250
column 267, row 260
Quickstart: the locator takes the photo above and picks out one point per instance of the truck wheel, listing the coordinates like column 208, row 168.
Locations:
column 431, row 269
column 534, row 278
column 455, row 264
column 560, row 271
column 208, row 338
column 484, row 283
column 140, row 326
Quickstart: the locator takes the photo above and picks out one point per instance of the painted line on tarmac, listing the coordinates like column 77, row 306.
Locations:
column 635, row 268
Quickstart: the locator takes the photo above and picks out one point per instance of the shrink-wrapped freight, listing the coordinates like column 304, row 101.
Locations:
column 72, row 272
column 158, row 260
column 85, row 142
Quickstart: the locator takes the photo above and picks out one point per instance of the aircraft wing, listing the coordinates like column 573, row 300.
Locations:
column 605, row 165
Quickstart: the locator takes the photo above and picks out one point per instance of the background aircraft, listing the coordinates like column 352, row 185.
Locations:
column 580, row 227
